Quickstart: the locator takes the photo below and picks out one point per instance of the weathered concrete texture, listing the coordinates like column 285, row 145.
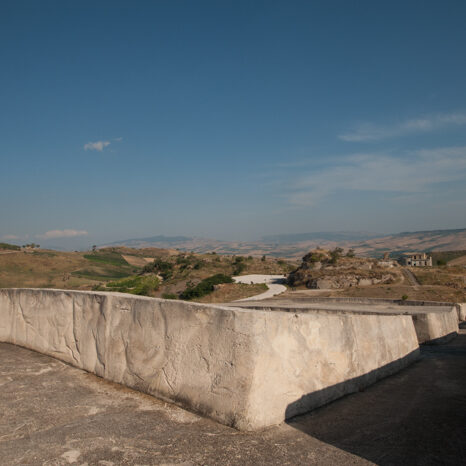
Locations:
column 198, row 356
column 434, row 322
column 54, row 414
column 316, row 358
column 248, row 369
column 436, row 327
column 461, row 311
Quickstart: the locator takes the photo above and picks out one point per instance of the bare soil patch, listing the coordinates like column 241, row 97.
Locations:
column 137, row 261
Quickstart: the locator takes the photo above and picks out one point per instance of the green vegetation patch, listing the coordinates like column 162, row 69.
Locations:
column 443, row 257
column 11, row 247
column 100, row 273
column 239, row 266
column 106, row 257
column 140, row 285
column 205, row 287
column 164, row 268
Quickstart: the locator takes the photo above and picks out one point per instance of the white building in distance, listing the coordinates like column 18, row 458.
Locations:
column 417, row 259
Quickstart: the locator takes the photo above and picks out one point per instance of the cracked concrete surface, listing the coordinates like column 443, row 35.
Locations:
column 245, row 368
column 54, row 414
column 66, row 416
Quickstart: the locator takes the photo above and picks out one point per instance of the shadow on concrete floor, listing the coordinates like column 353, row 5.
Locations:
column 416, row 417
column 52, row 413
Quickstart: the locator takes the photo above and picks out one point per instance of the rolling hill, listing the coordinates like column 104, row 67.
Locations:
column 296, row 245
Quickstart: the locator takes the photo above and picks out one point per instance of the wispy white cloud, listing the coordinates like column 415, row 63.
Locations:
column 366, row 132
column 62, row 234
column 408, row 173
column 9, row 237
column 97, row 145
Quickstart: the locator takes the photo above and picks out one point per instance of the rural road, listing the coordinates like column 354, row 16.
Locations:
column 273, row 282
column 411, row 278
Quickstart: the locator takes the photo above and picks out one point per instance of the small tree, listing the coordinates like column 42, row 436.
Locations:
column 335, row 255
column 239, row 268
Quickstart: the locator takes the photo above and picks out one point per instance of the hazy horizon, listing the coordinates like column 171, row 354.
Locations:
column 82, row 243
column 230, row 120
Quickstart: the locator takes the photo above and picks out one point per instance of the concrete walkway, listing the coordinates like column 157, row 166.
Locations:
column 54, row 414
column 273, row 282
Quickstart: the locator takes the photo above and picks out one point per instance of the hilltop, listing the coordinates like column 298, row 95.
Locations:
column 334, row 273
column 322, row 269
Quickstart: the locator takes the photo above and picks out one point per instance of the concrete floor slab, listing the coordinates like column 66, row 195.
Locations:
column 55, row 414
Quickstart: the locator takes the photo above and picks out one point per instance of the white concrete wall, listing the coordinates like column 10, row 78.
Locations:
column 461, row 307
column 436, row 327
column 245, row 368
column 309, row 359
column 433, row 324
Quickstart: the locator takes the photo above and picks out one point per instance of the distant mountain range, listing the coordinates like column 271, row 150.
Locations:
column 161, row 239
column 296, row 245
column 320, row 236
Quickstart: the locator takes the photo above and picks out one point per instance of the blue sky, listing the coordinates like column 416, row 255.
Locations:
column 230, row 119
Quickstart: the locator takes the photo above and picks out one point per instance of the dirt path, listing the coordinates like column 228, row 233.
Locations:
column 411, row 278
column 137, row 261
